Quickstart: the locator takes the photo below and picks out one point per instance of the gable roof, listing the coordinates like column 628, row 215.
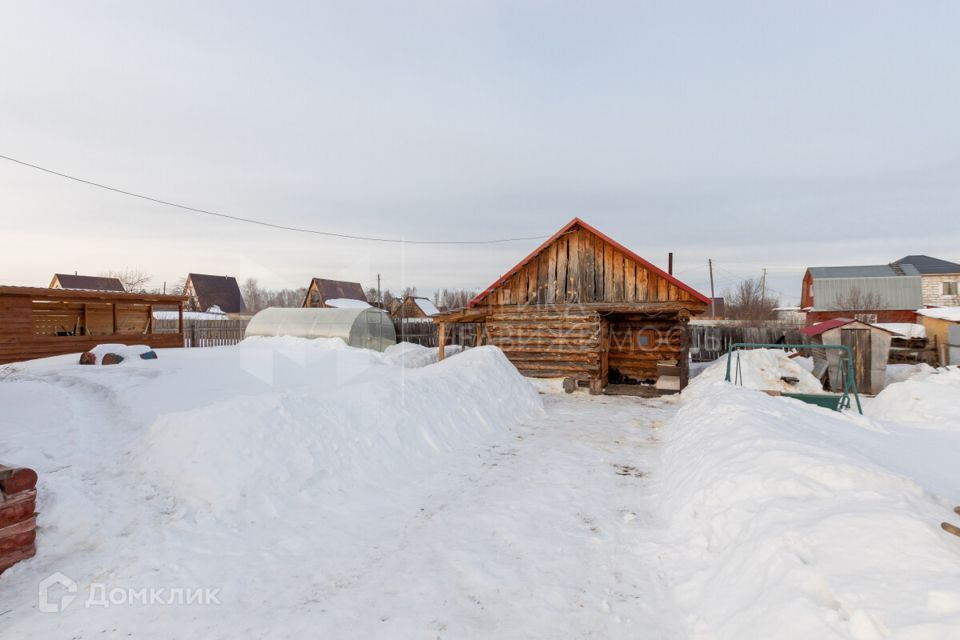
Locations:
column 334, row 289
column 627, row 252
column 88, row 283
column 928, row 265
column 864, row 271
column 826, row 325
column 220, row 291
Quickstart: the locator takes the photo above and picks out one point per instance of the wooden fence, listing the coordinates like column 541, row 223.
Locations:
column 205, row 333
column 427, row 334
column 709, row 342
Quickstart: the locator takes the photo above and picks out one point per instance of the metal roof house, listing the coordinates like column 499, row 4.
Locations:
column 86, row 283
column 873, row 293
column 940, row 279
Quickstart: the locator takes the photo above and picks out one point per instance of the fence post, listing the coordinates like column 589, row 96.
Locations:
column 193, row 335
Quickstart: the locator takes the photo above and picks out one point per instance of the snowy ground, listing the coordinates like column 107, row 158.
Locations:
column 325, row 491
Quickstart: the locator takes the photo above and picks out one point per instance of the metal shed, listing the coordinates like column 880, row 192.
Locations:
column 368, row 328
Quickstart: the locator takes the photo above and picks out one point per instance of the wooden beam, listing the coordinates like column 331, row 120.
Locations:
column 441, row 340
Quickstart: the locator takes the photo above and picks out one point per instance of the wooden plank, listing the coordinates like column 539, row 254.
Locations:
column 563, row 244
column 574, row 274
column 551, row 252
column 618, row 276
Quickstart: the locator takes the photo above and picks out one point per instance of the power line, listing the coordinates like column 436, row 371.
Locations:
column 258, row 222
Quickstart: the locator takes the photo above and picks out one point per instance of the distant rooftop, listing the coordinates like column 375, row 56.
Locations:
column 88, row 283
column 865, row 271
column 927, row 265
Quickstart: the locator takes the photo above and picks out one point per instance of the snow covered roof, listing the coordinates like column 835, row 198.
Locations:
column 942, row 313
column 426, row 306
column 347, row 303
column 905, row 329
column 826, row 325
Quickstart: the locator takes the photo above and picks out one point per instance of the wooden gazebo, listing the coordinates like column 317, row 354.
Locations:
column 585, row 307
column 39, row 322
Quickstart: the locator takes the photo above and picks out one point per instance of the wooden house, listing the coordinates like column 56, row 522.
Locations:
column 86, row 283
column 322, row 290
column 205, row 292
column 869, row 344
column 38, row 322
column 583, row 306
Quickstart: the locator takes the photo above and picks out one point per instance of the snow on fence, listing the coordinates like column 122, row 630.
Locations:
column 205, row 333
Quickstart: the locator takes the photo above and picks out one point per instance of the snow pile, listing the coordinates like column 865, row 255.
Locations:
column 929, row 399
column 901, row 372
column 408, row 354
column 347, row 303
column 762, row 369
column 129, row 353
column 783, row 528
column 251, row 454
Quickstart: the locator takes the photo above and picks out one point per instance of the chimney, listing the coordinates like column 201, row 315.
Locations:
column 670, row 263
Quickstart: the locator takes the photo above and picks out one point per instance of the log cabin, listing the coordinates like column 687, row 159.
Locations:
column 37, row 322
column 322, row 289
column 586, row 308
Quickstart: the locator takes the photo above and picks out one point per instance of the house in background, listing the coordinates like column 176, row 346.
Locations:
column 86, row 283
column 415, row 307
column 942, row 326
column 871, row 293
column 204, row 292
column 329, row 293
column 940, row 280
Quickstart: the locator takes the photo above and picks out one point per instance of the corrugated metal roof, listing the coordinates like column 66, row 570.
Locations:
column 864, row 271
column 896, row 292
column 928, row 265
column 826, row 325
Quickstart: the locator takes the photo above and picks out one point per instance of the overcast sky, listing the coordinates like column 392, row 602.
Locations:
column 761, row 134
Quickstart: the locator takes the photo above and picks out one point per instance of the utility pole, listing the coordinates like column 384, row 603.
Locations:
column 713, row 298
column 763, row 286
column 379, row 295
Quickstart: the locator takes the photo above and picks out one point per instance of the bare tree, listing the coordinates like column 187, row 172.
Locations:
column 134, row 280
column 856, row 299
column 253, row 296
column 453, row 298
column 747, row 302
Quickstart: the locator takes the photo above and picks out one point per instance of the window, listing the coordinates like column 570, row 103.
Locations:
column 869, row 318
column 949, row 288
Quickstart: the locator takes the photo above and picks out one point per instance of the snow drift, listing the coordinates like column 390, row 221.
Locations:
column 929, row 399
column 247, row 453
column 791, row 521
column 762, row 369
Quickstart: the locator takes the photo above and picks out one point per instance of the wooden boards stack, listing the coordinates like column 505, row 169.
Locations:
column 18, row 518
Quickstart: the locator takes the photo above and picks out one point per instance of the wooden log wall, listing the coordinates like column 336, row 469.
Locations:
column 580, row 267
column 549, row 344
column 638, row 342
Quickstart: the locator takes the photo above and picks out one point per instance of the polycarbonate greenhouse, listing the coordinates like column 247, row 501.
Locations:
column 368, row 328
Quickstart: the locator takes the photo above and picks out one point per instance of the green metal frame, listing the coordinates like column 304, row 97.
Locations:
column 821, row 399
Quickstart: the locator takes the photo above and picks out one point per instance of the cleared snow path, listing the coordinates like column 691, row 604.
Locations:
column 548, row 535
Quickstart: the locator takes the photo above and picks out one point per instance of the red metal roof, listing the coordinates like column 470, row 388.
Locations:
column 584, row 225
column 826, row 325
